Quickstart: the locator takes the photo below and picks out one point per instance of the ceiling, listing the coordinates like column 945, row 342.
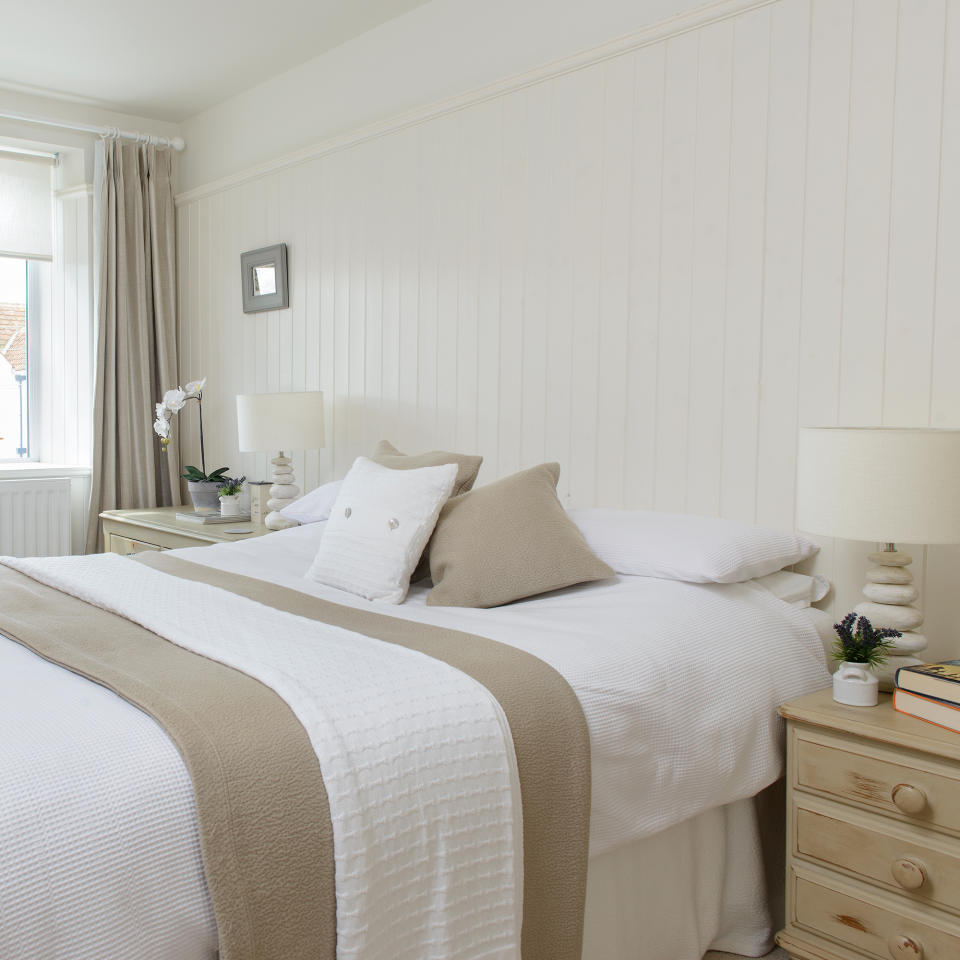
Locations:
column 169, row 60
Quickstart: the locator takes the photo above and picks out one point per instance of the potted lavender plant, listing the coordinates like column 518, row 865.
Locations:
column 230, row 491
column 859, row 648
column 203, row 486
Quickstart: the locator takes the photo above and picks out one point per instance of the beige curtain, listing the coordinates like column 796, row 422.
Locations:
column 135, row 254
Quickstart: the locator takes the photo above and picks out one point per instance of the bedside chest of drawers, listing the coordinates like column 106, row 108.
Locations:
column 873, row 834
column 132, row 531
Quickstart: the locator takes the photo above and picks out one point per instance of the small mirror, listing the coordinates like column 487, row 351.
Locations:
column 264, row 275
column 264, row 279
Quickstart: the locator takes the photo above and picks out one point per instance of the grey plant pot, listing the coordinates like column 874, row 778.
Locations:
column 204, row 494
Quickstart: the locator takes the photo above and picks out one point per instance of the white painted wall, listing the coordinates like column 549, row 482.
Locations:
column 651, row 267
column 441, row 49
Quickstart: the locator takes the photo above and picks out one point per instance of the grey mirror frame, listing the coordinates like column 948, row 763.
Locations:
column 277, row 254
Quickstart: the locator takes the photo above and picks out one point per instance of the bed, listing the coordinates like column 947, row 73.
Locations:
column 678, row 684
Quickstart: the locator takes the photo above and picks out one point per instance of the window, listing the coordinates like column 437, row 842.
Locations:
column 14, row 399
column 26, row 251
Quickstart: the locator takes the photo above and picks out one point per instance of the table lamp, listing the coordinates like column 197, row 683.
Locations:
column 280, row 421
column 887, row 485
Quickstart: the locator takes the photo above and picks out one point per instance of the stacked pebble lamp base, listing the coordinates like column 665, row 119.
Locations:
column 283, row 492
column 890, row 594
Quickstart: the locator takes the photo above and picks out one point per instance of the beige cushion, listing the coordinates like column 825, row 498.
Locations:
column 387, row 455
column 508, row 540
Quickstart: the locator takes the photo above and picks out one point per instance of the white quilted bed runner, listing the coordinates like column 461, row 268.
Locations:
column 417, row 759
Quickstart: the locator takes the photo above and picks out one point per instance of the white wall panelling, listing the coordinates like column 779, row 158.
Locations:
column 650, row 267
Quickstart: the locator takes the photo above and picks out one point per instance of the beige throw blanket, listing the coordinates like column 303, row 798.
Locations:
column 264, row 822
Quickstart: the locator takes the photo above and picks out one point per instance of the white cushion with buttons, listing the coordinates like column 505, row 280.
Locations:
column 378, row 528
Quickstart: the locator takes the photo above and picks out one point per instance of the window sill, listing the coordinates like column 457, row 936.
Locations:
column 34, row 469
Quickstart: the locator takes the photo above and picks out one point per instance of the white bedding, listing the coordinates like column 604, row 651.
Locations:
column 416, row 756
column 679, row 684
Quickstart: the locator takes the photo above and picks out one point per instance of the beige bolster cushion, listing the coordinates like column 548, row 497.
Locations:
column 387, row 455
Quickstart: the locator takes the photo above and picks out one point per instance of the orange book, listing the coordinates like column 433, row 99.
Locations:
column 938, row 712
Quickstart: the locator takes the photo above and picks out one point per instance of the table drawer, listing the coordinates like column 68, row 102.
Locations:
column 925, row 793
column 127, row 545
column 919, row 863
column 871, row 924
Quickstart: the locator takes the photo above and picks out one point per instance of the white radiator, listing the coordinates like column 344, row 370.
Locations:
column 35, row 517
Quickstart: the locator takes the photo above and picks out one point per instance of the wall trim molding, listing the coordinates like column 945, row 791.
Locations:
column 675, row 26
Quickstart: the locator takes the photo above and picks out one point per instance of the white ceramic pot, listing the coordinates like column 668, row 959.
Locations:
column 855, row 684
column 230, row 506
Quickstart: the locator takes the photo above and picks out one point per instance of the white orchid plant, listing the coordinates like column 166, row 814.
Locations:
column 173, row 402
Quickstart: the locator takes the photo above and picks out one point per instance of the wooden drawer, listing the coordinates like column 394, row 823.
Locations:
column 126, row 545
column 871, row 922
column 917, row 791
column 906, row 860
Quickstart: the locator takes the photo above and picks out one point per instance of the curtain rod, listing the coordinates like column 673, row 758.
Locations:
column 112, row 133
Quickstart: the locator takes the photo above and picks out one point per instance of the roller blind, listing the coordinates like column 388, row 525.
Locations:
column 26, row 226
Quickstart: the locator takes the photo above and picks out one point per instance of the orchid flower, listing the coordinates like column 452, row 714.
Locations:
column 174, row 400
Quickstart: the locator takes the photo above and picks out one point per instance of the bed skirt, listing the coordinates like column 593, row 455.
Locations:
column 712, row 882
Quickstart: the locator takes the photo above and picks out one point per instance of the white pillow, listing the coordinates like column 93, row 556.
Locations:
column 797, row 589
column 378, row 528
column 682, row 547
column 314, row 506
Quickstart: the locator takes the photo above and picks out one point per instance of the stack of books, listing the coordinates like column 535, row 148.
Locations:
column 930, row 691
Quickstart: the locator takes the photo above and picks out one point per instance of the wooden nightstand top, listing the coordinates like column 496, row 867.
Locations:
column 881, row 723
column 164, row 520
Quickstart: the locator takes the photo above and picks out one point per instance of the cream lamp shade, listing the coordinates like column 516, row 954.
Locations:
column 280, row 421
column 881, row 484
column 889, row 486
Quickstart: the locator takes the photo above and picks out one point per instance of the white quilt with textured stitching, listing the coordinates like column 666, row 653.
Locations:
column 100, row 860
column 417, row 760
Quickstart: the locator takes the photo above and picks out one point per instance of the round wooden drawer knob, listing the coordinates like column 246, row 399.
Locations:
column 908, row 874
column 903, row 948
column 908, row 799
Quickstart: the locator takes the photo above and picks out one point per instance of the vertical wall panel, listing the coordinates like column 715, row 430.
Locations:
column 913, row 214
column 676, row 269
column 745, row 274
column 585, row 252
column 709, row 289
column 867, row 234
column 831, row 32
column 651, row 268
column 643, row 333
column 536, row 317
column 945, row 384
column 514, row 225
column 614, row 288
column 780, row 359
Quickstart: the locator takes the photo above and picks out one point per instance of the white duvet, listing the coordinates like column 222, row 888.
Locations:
column 679, row 684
